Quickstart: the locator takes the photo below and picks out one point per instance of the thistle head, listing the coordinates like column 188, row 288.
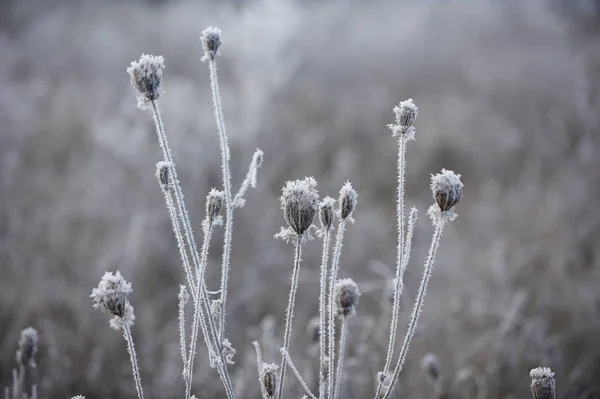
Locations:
column 406, row 114
column 432, row 368
column 269, row 376
column 111, row 297
column 299, row 202
column 347, row 201
column 28, row 346
column 542, row 383
column 326, row 213
column 346, row 296
column 163, row 174
column 211, row 41
column 214, row 205
column 146, row 77
column 447, row 190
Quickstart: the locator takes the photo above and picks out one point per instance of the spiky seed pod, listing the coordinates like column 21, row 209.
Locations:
column 299, row 203
column 347, row 200
column 346, row 297
column 214, row 204
column 542, row 383
column 432, row 368
column 163, row 173
column 447, row 189
column 146, row 77
column 111, row 297
column 269, row 377
column 406, row 114
column 326, row 213
column 211, row 41
column 28, row 346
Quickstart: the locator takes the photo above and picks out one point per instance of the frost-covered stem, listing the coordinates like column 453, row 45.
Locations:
column 259, row 362
column 323, row 314
column 189, row 235
column 337, row 251
column 179, row 238
column 134, row 363
column 398, row 287
column 250, row 179
column 435, row 242
column 287, row 358
column 340, row 365
column 290, row 313
column 219, row 119
column 182, row 343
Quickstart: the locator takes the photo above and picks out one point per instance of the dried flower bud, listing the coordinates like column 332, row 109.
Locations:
column 299, row 203
column 542, row 383
column 163, row 173
column 269, row 376
column 214, row 205
column 146, row 76
column 447, row 189
column 406, row 114
column 211, row 41
column 432, row 368
column 28, row 346
column 111, row 298
column 326, row 213
column 346, row 297
column 347, row 200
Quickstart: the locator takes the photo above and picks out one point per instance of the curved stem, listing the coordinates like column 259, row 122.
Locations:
column 435, row 243
column 323, row 314
column 220, row 121
column 340, row 365
column 134, row 364
column 287, row 358
column 290, row 313
column 337, row 251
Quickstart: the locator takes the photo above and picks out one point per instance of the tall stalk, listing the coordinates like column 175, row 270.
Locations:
column 134, row 362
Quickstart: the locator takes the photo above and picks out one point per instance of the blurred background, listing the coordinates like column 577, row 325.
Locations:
column 508, row 94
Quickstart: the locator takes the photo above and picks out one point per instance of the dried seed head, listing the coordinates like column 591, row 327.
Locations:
column 447, row 189
column 111, row 298
column 299, row 203
column 432, row 368
column 28, row 346
column 146, row 77
column 163, row 173
column 406, row 114
column 228, row 351
column 269, row 376
column 346, row 297
column 542, row 383
column 347, row 201
column 326, row 213
column 211, row 41
column 214, row 205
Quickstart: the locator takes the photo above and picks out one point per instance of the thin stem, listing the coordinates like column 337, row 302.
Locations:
column 323, row 314
column 220, row 121
column 249, row 180
column 435, row 243
column 183, row 297
column 340, row 365
column 398, row 288
column 337, row 251
column 134, row 364
column 259, row 363
column 189, row 235
column 287, row 358
column 290, row 312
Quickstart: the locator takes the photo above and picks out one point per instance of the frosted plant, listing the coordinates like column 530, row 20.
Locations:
column 447, row 189
column 347, row 203
column 542, row 383
column 326, row 217
column 269, row 375
column 299, row 202
column 403, row 130
column 146, row 77
column 27, row 348
column 111, row 297
column 346, row 296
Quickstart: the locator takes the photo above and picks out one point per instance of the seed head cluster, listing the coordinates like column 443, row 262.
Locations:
column 111, row 297
column 146, row 77
column 406, row 115
column 163, row 173
column 347, row 201
column 211, row 41
column 214, row 205
column 28, row 346
column 299, row 202
column 542, row 383
column 447, row 190
column 326, row 213
column 269, row 375
column 346, row 297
